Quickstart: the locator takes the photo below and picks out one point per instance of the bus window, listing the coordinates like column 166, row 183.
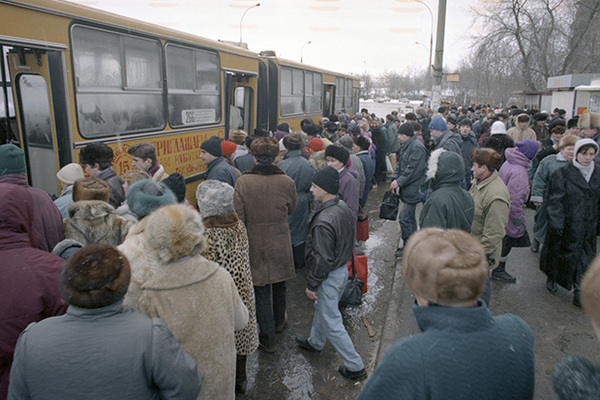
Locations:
column 292, row 88
column 313, row 89
column 193, row 86
column 118, row 83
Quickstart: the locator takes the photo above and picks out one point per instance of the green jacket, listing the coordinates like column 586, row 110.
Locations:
column 492, row 203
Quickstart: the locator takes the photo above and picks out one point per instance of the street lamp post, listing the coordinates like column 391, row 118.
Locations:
column 302, row 49
column 430, row 66
column 242, row 19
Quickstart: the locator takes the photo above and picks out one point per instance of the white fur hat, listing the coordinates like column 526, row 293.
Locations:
column 589, row 120
column 214, row 198
column 498, row 128
column 70, row 173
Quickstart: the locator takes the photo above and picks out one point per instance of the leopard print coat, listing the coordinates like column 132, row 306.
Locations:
column 228, row 246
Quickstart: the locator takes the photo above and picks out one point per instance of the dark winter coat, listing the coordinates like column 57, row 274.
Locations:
column 47, row 221
column 576, row 378
column 450, row 141
column 329, row 242
column 29, row 278
column 449, row 206
column 468, row 144
column 220, row 170
column 117, row 194
column 102, row 353
column 412, row 165
column 301, row 171
column 546, row 149
column 514, row 175
column 380, row 153
column 573, row 213
column 369, row 168
column 264, row 197
column 462, row 353
column 95, row 221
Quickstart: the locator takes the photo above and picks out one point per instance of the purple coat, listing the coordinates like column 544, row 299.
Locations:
column 349, row 190
column 514, row 175
column 47, row 221
column 29, row 283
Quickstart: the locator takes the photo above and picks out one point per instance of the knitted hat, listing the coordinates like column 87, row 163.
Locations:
column 528, row 147
column 446, row 267
column 465, row 121
column 176, row 182
column 346, row 141
column 265, row 149
column 315, row 144
column 12, row 160
column 589, row 120
column 91, row 189
column 292, row 141
column 568, row 140
column 145, row 196
column 95, row 276
column 238, row 136
column 327, row 179
column 438, row 124
column 585, row 142
column 212, row 146
column 70, row 173
column 498, row 128
column 337, row 152
column 66, row 248
column 572, row 123
column 406, row 129
column 228, row 147
column 214, row 198
column 95, row 153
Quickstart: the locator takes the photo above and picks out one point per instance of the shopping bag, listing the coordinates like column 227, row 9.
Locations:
column 361, row 266
column 354, row 288
column 362, row 226
column 389, row 206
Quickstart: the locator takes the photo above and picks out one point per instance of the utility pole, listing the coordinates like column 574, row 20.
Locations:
column 438, row 65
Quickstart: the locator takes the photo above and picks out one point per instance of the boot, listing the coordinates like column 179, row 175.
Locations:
column 577, row 292
column 551, row 285
column 500, row 274
column 240, row 374
column 535, row 245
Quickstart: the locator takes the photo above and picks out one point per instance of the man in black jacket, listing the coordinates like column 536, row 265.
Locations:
column 328, row 249
column 97, row 161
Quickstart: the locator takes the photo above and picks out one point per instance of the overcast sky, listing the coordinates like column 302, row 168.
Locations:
column 348, row 36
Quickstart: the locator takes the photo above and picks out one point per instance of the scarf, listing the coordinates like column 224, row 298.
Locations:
column 585, row 171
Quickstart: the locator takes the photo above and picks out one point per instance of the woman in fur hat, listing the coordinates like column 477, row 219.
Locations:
column 227, row 245
column 573, row 197
column 264, row 197
column 195, row 297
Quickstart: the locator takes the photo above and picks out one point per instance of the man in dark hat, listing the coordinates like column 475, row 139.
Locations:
column 328, row 249
column 349, row 191
column 217, row 167
column 539, row 126
column 97, row 161
column 99, row 347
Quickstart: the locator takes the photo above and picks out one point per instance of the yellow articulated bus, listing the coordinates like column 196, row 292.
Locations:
column 71, row 75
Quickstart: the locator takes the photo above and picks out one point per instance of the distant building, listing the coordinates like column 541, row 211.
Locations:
column 567, row 95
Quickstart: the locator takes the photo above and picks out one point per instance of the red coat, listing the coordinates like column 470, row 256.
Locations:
column 29, row 283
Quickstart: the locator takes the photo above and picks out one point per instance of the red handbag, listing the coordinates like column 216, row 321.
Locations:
column 362, row 268
column 362, row 226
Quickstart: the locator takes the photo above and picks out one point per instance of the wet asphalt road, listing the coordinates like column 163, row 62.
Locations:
column 386, row 315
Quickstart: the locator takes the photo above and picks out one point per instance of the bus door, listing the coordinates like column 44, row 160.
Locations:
column 239, row 101
column 328, row 99
column 38, row 82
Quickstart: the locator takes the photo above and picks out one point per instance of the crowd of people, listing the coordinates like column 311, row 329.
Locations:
column 184, row 293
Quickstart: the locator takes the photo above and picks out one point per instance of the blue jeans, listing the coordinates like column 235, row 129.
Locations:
column 408, row 221
column 328, row 322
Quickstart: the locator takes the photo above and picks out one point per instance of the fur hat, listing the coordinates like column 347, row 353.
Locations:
column 541, row 116
column 311, row 130
column 572, row 123
column 589, row 120
column 91, row 189
column 446, row 267
column 338, row 152
column 486, row 156
column 95, row 153
column 528, row 147
column 214, row 198
column 238, row 136
column 331, row 127
column 498, row 128
column 315, row 144
column 176, row 182
column 265, row 149
column 346, row 141
column 177, row 231
column 228, row 147
column 145, row 196
column 465, row 121
column 438, row 124
column 568, row 140
column 585, row 142
column 12, row 160
column 292, row 141
column 95, row 276
column 70, row 173
column 212, row 146
column 327, row 179
column 407, row 129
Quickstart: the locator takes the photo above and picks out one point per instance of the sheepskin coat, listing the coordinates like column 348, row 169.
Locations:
column 264, row 197
column 227, row 245
column 95, row 221
column 201, row 306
